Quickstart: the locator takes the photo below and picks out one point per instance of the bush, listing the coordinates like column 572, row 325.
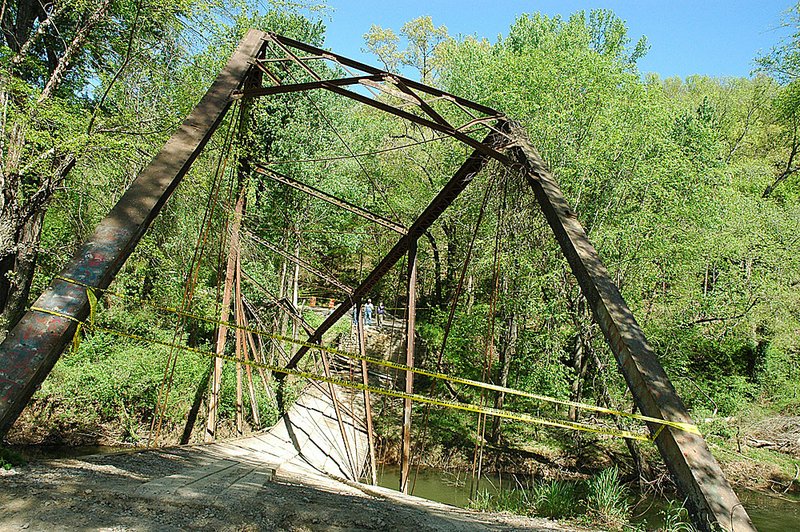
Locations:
column 9, row 458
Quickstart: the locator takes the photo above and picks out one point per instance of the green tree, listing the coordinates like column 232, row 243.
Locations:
column 421, row 39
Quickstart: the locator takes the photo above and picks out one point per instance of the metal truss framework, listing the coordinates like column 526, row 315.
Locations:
column 34, row 345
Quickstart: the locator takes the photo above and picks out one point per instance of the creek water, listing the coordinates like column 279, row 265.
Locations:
column 778, row 513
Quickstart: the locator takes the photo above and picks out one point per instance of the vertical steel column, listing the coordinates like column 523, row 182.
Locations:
column 693, row 467
column 241, row 348
column 362, row 349
column 222, row 330
column 405, row 457
column 34, row 345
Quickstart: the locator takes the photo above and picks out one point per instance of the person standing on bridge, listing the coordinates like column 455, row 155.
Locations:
column 380, row 312
column 368, row 308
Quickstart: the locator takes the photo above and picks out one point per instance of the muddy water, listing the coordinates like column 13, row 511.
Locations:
column 769, row 513
column 442, row 486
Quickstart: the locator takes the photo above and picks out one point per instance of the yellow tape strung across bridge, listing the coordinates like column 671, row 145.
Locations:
column 688, row 427
column 468, row 407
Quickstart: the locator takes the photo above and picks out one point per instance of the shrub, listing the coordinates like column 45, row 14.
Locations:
column 9, row 458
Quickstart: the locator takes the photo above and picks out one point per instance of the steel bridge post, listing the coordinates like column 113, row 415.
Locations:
column 693, row 467
column 33, row 346
column 362, row 350
column 405, row 455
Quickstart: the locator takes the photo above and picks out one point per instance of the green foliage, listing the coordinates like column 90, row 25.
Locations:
column 606, row 499
column 605, row 503
column 556, row 499
column 10, row 458
column 676, row 518
column 422, row 39
column 667, row 175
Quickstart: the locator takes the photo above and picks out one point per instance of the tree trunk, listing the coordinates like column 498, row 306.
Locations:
column 19, row 57
column 18, row 31
column 451, row 260
column 640, row 467
column 16, row 273
column 580, row 363
column 74, row 48
column 295, row 289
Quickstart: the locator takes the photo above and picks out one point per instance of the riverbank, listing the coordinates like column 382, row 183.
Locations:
column 104, row 492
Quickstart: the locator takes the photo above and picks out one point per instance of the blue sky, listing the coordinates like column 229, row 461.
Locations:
column 717, row 38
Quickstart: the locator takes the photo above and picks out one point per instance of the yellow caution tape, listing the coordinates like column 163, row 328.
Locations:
column 468, row 407
column 688, row 427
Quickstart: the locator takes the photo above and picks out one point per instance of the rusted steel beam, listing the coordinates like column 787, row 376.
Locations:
column 284, row 59
column 405, row 454
column 222, row 330
column 231, row 276
column 693, row 467
column 302, row 263
column 32, row 347
column 372, row 70
column 422, row 103
column 333, row 200
column 446, row 196
column 354, row 470
column 298, row 87
column 445, row 128
column 281, row 302
column 362, row 350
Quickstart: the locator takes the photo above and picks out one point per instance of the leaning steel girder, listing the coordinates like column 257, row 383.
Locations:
column 462, row 178
column 694, row 469
column 34, row 345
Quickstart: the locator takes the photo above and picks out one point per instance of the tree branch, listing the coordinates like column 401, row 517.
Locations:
column 81, row 36
column 43, row 25
column 789, row 170
column 718, row 319
column 118, row 73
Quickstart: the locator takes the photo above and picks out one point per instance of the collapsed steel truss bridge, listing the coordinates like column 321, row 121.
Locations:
column 34, row 345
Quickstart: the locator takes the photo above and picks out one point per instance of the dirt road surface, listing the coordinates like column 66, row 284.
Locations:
column 105, row 492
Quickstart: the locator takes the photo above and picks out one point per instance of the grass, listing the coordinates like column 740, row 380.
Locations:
column 607, row 499
column 604, row 502
column 514, row 501
column 676, row 518
column 555, row 499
